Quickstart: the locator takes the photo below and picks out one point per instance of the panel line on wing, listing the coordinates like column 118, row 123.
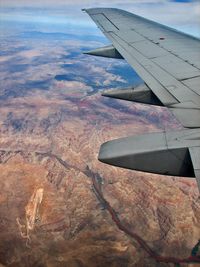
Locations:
column 138, row 62
column 160, row 43
column 104, row 22
column 158, row 54
column 172, row 85
column 164, row 95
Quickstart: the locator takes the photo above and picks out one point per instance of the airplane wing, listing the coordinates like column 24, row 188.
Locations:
column 168, row 61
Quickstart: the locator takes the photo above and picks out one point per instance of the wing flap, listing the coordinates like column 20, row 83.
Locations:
column 190, row 118
column 195, row 156
column 193, row 84
column 176, row 67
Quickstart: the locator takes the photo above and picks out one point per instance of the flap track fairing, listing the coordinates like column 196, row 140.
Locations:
column 139, row 94
column 167, row 153
column 106, row 51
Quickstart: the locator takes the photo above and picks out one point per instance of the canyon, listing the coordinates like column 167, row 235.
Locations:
column 51, row 214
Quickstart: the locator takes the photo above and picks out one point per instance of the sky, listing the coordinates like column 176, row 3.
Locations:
column 180, row 14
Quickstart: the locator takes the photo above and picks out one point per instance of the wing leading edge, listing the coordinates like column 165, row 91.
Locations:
column 169, row 63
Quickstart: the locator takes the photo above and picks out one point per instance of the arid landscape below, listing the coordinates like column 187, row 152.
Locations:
column 50, row 215
column 51, row 127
